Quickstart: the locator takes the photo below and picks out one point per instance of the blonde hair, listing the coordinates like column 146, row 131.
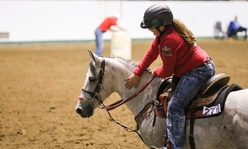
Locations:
column 186, row 34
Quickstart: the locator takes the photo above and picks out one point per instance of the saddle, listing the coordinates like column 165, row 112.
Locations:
column 213, row 93
column 211, row 97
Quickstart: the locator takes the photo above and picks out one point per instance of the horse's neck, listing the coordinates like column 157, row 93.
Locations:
column 136, row 104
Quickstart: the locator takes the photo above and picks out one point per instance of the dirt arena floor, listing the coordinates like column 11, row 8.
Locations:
column 39, row 85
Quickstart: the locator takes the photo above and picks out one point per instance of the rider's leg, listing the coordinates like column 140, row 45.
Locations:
column 187, row 88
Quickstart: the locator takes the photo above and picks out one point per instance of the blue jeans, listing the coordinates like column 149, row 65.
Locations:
column 187, row 88
column 99, row 41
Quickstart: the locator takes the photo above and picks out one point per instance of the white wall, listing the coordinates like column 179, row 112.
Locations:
column 77, row 20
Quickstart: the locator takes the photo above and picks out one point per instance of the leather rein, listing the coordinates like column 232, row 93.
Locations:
column 121, row 101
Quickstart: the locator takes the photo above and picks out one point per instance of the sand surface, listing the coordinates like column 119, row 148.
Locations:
column 39, row 85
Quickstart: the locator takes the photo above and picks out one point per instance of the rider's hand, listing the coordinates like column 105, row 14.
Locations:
column 132, row 80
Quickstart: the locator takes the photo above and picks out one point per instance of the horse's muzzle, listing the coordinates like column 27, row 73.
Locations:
column 79, row 111
column 84, row 112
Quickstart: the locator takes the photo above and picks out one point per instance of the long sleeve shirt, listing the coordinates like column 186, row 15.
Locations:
column 178, row 56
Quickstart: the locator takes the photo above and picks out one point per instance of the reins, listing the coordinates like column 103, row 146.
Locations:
column 121, row 101
column 126, row 128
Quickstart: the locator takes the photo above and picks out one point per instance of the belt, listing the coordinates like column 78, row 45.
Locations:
column 206, row 62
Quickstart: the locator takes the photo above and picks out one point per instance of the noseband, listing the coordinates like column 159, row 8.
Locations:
column 99, row 84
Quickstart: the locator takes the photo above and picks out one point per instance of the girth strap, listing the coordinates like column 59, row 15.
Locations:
column 191, row 129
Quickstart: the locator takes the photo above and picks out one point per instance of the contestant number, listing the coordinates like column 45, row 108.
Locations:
column 211, row 110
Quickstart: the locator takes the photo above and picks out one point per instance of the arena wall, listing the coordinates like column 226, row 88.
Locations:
column 77, row 20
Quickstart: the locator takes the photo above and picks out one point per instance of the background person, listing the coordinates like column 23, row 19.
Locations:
column 234, row 27
column 181, row 57
column 102, row 28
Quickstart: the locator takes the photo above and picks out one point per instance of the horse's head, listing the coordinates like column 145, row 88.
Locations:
column 90, row 96
column 98, row 84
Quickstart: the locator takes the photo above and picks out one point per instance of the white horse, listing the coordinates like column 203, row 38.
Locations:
column 105, row 76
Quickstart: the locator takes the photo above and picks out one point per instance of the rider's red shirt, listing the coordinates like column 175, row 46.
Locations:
column 107, row 23
column 178, row 57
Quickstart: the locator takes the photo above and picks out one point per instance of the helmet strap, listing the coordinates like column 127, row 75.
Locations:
column 161, row 33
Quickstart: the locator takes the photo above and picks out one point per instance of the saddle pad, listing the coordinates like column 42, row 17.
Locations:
column 217, row 107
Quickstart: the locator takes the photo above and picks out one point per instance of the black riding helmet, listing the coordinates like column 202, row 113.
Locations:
column 156, row 15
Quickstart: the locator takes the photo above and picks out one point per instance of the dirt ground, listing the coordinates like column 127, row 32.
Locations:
column 39, row 85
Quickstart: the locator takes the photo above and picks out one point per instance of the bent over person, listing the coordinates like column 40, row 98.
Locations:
column 102, row 28
column 182, row 58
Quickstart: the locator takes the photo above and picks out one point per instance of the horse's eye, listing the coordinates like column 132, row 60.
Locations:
column 92, row 79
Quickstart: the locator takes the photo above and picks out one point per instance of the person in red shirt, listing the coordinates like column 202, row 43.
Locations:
column 182, row 58
column 102, row 28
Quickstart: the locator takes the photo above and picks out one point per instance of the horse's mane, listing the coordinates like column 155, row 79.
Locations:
column 126, row 62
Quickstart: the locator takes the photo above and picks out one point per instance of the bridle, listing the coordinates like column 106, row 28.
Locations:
column 98, row 88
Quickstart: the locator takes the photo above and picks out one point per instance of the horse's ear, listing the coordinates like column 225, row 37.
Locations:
column 93, row 55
